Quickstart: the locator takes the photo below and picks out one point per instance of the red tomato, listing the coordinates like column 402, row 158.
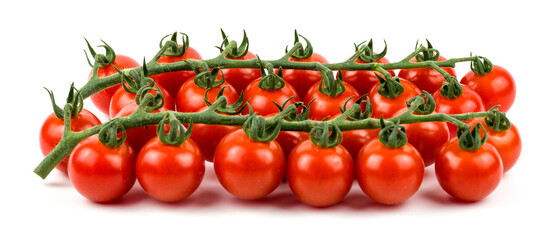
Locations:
column 248, row 169
column 121, row 98
column 53, row 128
column 468, row 101
column 388, row 107
column 102, row 98
column 389, row 175
column 137, row 137
column 289, row 139
column 508, row 143
column 239, row 78
column 302, row 80
column 208, row 137
column 495, row 88
column 319, row 177
column 354, row 140
column 100, row 173
column 190, row 97
column 172, row 81
column 324, row 105
column 426, row 78
column 261, row 99
column 426, row 137
column 170, row 173
column 468, row 175
column 363, row 81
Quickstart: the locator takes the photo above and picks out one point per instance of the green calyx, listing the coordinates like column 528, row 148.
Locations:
column 103, row 60
column 108, row 135
column 392, row 135
column 256, row 129
column 220, row 104
column 302, row 52
column 498, row 121
column 425, row 101
column 451, row 88
column 293, row 114
column 368, row 54
column 205, row 78
column 75, row 99
column 390, row 87
column 470, row 139
column 481, row 66
column 140, row 84
column 321, row 137
column 235, row 52
column 174, row 49
column 270, row 81
column 429, row 53
column 330, row 85
column 358, row 115
column 176, row 135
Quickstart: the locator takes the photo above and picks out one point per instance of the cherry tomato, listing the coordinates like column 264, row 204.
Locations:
column 100, row 173
column 302, row 80
column 426, row 78
column 354, row 140
column 208, row 137
column 53, row 128
column 389, row 175
column 468, row 101
column 102, row 98
column 137, row 137
column 261, row 100
column 508, row 143
column 363, row 81
column 170, row 173
column 172, row 81
column 495, row 88
column 319, row 177
column 121, row 98
column 239, row 78
column 326, row 106
column 190, row 97
column 248, row 169
column 388, row 107
column 426, row 137
column 468, row 175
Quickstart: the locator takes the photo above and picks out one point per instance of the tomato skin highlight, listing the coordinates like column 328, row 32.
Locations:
column 389, row 175
column 508, row 143
column 320, row 177
column 426, row 78
column 248, row 169
column 53, row 129
column 239, row 78
column 172, row 81
column 100, row 173
column 495, row 88
column 324, row 105
column 468, row 101
column 261, row 99
column 102, row 98
column 468, row 175
column 170, row 173
column 302, row 80
column 363, row 81
column 190, row 97
column 121, row 98
column 387, row 106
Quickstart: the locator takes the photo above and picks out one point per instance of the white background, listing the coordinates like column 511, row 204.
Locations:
column 42, row 42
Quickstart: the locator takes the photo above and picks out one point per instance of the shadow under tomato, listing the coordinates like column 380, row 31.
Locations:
column 134, row 196
column 441, row 197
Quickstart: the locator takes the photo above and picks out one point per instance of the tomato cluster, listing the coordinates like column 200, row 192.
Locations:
column 318, row 175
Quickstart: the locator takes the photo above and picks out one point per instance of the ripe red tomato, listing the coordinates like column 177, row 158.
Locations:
column 102, row 98
column 248, row 169
column 468, row 175
column 389, row 175
column 172, row 81
column 137, row 137
column 354, row 140
column 121, row 98
column 426, row 78
column 239, row 78
column 426, row 137
column 495, row 88
column 363, row 81
column 387, row 106
column 326, row 106
column 319, row 177
column 208, row 137
column 302, row 80
column 468, row 101
column 289, row 139
column 508, row 143
column 100, row 173
column 170, row 173
column 261, row 99
column 53, row 128
column 190, row 97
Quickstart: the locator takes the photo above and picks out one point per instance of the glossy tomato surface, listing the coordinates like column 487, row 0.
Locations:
column 426, row 78
column 100, row 173
column 363, row 81
column 468, row 101
column 508, row 143
column 389, row 106
column 239, row 78
column 261, row 100
column 53, row 128
column 173, row 80
column 302, row 80
column 326, row 106
column 190, row 97
column 354, row 140
column 495, row 88
column 137, row 137
column 121, row 98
